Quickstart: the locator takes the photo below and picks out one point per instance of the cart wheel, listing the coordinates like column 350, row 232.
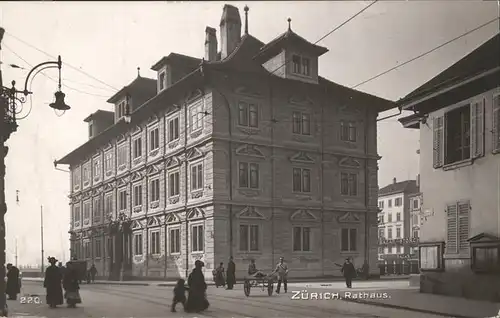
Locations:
column 270, row 287
column 246, row 288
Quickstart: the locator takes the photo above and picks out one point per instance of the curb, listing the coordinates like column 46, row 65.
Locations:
column 424, row 311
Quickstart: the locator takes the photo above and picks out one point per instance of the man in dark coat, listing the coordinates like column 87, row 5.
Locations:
column 93, row 273
column 349, row 272
column 197, row 298
column 230, row 273
column 52, row 283
column 71, row 286
column 13, row 286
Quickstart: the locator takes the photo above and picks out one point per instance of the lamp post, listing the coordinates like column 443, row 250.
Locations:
column 10, row 100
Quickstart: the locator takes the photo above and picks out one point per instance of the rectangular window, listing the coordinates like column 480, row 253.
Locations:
column 415, row 204
column 348, row 240
column 173, row 129
column 389, row 217
column 301, row 239
column 457, row 228
column 137, row 195
column 197, row 238
column 248, row 176
column 161, row 81
column 381, row 204
column 415, row 234
column 297, row 64
column 90, row 130
column 86, row 248
column 86, row 174
column 175, row 241
column 398, row 202
column 122, row 204
column 154, row 139
column 96, row 167
column 121, row 109
column 122, row 155
column 398, row 249
column 381, row 219
column 249, row 238
column 389, row 233
column 398, row 216
column 301, row 180
column 108, row 161
column 76, row 178
column 248, row 115
column 485, row 258
column 86, row 210
column 138, row 244
column 197, row 176
column 457, row 125
column 97, row 248
column 196, row 117
column 154, row 243
column 137, row 148
column 97, row 209
column 398, row 232
column 348, row 131
column 76, row 213
column 173, row 183
column 389, row 203
column 348, row 184
column 108, row 205
column 306, row 67
column 154, row 190
column 301, row 123
column 429, row 257
column 381, row 233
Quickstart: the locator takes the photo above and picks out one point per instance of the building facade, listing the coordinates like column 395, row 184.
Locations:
column 239, row 154
column 457, row 114
column 396, row 241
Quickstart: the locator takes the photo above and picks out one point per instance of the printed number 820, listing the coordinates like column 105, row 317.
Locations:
column 30, row 300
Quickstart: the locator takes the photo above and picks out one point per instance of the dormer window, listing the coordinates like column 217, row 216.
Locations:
column 301, row 65
column 161, row 81
column 90, row 130
column 121, row 109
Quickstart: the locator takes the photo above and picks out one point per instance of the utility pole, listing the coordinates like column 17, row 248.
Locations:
column 41, row 234
column 16, row 251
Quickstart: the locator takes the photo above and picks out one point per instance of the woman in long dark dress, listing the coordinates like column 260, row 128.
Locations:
column 13, row 286
column 71, row 286
column 197, row 298
column 52, row 283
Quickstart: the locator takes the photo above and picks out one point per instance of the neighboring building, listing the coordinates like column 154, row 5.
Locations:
column 416, row 217
column 236, row 154
column 458, row 114
column 395, row 228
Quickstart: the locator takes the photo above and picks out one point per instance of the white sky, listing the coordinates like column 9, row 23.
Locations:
column 109, row 40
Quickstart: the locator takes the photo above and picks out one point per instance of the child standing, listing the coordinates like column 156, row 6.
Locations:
column 179, row 294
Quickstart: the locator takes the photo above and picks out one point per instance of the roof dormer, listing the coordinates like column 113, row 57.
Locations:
column 99, row 122
column 172, row 68
column 291, row 56
column 132, row 96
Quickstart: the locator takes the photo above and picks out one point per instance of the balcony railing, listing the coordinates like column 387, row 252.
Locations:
column 407, row 241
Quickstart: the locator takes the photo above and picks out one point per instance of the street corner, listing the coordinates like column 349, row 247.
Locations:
column 348, row 295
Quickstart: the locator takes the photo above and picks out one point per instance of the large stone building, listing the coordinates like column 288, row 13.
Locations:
column 458, row 115
column 396, row 242
column 248, row 152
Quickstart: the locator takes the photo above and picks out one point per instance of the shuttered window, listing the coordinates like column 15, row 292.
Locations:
column 457, row 228
column 477, row 129
column 496, row 124
column 438, row 142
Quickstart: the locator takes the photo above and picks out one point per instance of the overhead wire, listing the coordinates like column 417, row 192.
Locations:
column 65, row 63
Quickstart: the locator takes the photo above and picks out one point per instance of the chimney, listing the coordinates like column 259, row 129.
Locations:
column 394, row 180
column 210, row 44
column 230, row 30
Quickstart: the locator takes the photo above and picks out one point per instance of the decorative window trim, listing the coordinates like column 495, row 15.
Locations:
column 169, row 121
column 191, row 166
column 123, row 165
column 119, row 192
column 170, row 229
column 154, row 203
column 134, row 203
column 440, row 258
column 152, row 148
column 191, row 227
column 134, row 148
column 177, row 195
column 135, row 243
column 249, row 175
column 150, row 241
column 260, row 235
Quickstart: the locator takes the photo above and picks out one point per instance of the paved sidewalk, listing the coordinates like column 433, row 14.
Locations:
column 412, row 299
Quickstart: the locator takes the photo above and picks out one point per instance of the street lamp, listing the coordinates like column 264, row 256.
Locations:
column 10, row 102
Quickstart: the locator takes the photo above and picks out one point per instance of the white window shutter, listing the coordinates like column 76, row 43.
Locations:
column 477, row 129
column 438, row 142
column 463, row 226
column 496, row 124
column 451, row 229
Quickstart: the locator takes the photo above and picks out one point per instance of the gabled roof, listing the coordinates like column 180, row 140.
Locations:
column 175, row 58
column 485, row 57
column 143, row 85
column 285, row 40
column 407, row 186
column 101, row 114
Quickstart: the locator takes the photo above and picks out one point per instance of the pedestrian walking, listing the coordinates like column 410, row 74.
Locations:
column 197, row 297
column 230, row 273
column 179, row 294
column 218, row 274
column 349, row 272
column 52, row 283
column 282, row 270
column 93, row 273
column 13, row 286
column 71, row 286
